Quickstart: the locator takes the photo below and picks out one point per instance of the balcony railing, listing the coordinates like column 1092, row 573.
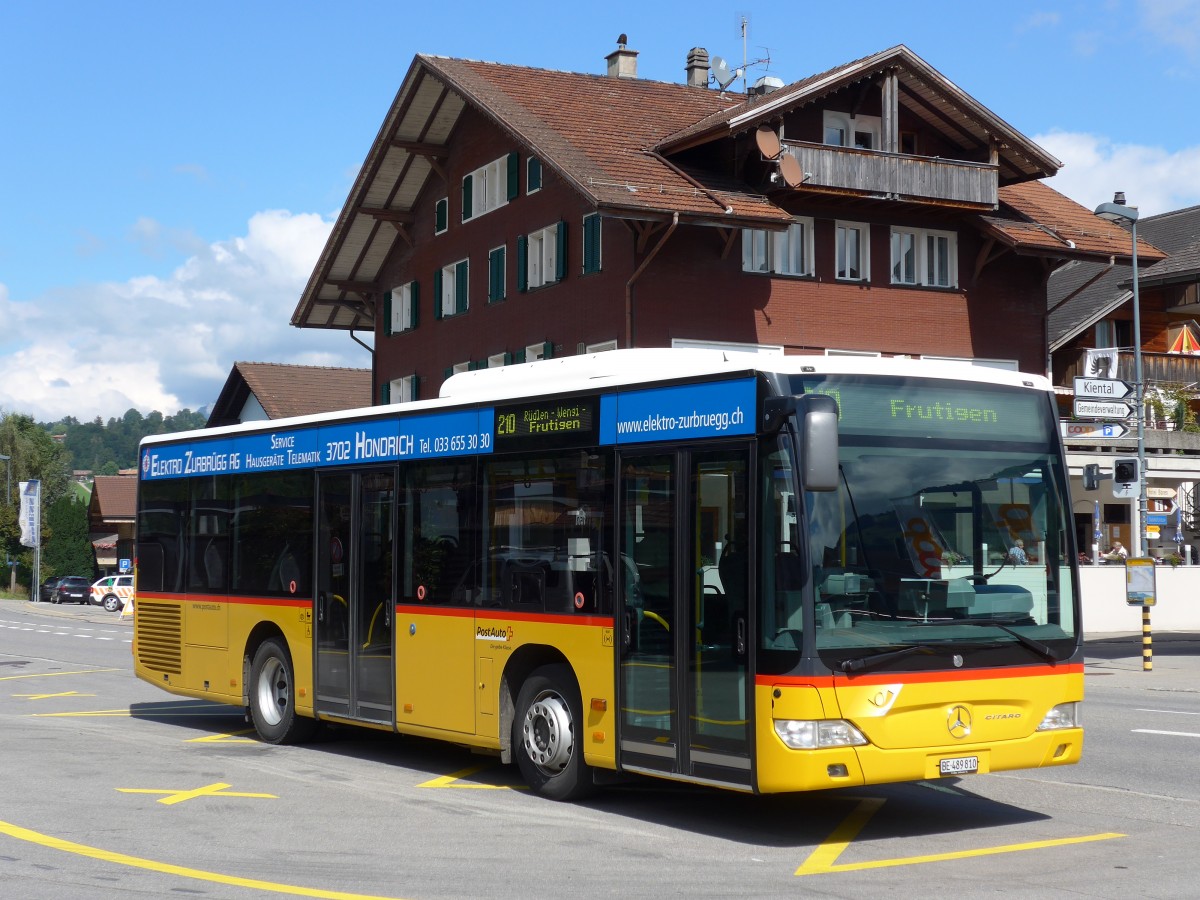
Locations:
column 1157, row 368
column 899, row 175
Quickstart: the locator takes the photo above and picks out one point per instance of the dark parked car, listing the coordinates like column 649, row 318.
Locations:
column 46, row 591
column 72, row 589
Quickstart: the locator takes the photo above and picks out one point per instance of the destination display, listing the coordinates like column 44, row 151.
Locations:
column 547, row 424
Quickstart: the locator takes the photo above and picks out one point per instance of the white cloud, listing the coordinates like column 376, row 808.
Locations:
column 1174, row 22
column 1154, row 179
column 168, row 343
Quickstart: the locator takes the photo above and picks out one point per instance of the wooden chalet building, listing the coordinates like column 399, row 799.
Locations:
column 507, row 213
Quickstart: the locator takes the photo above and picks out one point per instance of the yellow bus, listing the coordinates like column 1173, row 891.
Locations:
column 766, row 574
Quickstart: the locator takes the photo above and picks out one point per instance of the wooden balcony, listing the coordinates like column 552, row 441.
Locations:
column 1157, row 368
column 897, row 176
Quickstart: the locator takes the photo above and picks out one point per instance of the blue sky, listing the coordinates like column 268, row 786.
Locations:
column 169, row 171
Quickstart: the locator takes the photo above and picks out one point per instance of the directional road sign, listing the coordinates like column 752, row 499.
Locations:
column 1102, row 389
column 1102, row 409
column 1093, row 430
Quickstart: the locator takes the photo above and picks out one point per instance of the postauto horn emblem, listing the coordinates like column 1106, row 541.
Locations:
column 958, row 723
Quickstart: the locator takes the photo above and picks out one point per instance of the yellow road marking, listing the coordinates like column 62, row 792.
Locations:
column 822, row 860
column 448, row 781
column 50, row 696
column 217, row 789
column 53, row 674
column 231, row 737
column 122, row 859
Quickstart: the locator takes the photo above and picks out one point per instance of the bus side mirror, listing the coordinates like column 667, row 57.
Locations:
column 1091, row 477
column 818, row 418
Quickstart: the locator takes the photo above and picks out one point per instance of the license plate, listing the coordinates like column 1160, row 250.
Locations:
column 959, row 765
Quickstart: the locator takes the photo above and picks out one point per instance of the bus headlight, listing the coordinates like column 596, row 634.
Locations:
column 812, row 734
column 1065, row 715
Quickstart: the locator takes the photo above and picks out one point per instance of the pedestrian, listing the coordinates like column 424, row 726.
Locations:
column 1016, row 554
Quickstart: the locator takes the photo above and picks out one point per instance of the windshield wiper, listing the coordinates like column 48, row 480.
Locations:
column 874, row 659
column 1036, row 646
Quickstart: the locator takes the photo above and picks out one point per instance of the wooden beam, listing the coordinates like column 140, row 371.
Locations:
column 351, row 287
column 421, row 148
column 388, row 215
column 728, row 237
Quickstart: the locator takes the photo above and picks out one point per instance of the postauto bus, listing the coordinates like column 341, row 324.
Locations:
column 764, row 574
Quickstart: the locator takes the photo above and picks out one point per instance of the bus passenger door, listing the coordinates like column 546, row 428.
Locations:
column 354, row 595
column 684, row 519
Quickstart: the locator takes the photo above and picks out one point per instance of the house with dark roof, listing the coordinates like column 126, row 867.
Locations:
column 506, row 213
column 257, row 391
column 1091, row 334
column 112, row 513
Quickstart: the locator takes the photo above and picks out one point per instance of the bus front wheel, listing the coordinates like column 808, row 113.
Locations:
column 273, row 696
column 546, row 735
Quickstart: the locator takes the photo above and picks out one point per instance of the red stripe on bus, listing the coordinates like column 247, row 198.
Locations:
column 500, row 615
column 1034, row 671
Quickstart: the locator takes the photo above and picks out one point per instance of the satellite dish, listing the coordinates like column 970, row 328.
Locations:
column 789, row 168
column 768, row 142
column 721, row 72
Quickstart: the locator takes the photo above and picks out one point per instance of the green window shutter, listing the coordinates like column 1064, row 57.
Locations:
column 514, row 168
column 385, row 392
column 496, row 275
column 447, row 372
column 533, row 178
column 416, row 387
column 523, row 263
column 591, row 243
column 441, row 215
column 387, row 314
column 508, row 358
column 548, row 350
column 518, row 356
column 460, row 287
column 414, row 304
column 437, row 294
column 466, row 197
column 560, row 252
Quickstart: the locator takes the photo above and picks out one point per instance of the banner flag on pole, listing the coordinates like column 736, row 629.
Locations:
column 31, row 513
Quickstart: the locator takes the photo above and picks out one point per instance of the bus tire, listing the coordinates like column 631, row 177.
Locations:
column 273, row 696
column 546, row 735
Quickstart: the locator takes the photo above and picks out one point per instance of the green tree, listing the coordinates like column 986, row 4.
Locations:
column 35, row 455
column 66, row 549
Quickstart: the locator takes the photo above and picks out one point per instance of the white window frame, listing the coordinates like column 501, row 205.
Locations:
column 924, row 257
column 496, row 360
column 541, row 257
column 535, row 352
column 602, row 347
column 460, row 367
column 776, row 251
column 402, row 390
column 449, row 296
column 841, row 232
column 850, row 127
column 402, row 308
column 489, row 188
column 529, row 164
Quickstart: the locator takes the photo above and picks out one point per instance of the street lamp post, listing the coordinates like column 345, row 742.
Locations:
column 7, row 479
column 1117, row 211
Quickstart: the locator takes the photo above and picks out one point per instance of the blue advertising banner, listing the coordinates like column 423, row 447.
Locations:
column 714, row 409
column 352, row 443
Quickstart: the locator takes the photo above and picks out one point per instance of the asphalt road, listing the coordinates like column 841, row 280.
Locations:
column 110, row 788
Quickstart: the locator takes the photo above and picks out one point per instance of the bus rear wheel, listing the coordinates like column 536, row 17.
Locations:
column 273, row 696
column 546, row 735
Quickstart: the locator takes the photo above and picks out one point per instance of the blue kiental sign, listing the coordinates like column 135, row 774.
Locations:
column 376, row 440
column 714, row 409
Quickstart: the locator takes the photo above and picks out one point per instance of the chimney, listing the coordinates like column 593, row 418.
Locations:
column 766, row 85
column 622, row 63
column 697, row 67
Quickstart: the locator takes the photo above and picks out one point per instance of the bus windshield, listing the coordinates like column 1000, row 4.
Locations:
column 949, row 533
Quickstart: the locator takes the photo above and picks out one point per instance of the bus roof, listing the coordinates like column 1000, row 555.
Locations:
column 613, row 369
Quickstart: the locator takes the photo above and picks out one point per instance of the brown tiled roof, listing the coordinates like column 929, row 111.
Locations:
column 114, row 497
column 288, row 390
column 1035, row 218
column 599, row 132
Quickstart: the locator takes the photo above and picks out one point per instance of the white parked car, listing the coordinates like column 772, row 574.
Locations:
column 112, row 592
